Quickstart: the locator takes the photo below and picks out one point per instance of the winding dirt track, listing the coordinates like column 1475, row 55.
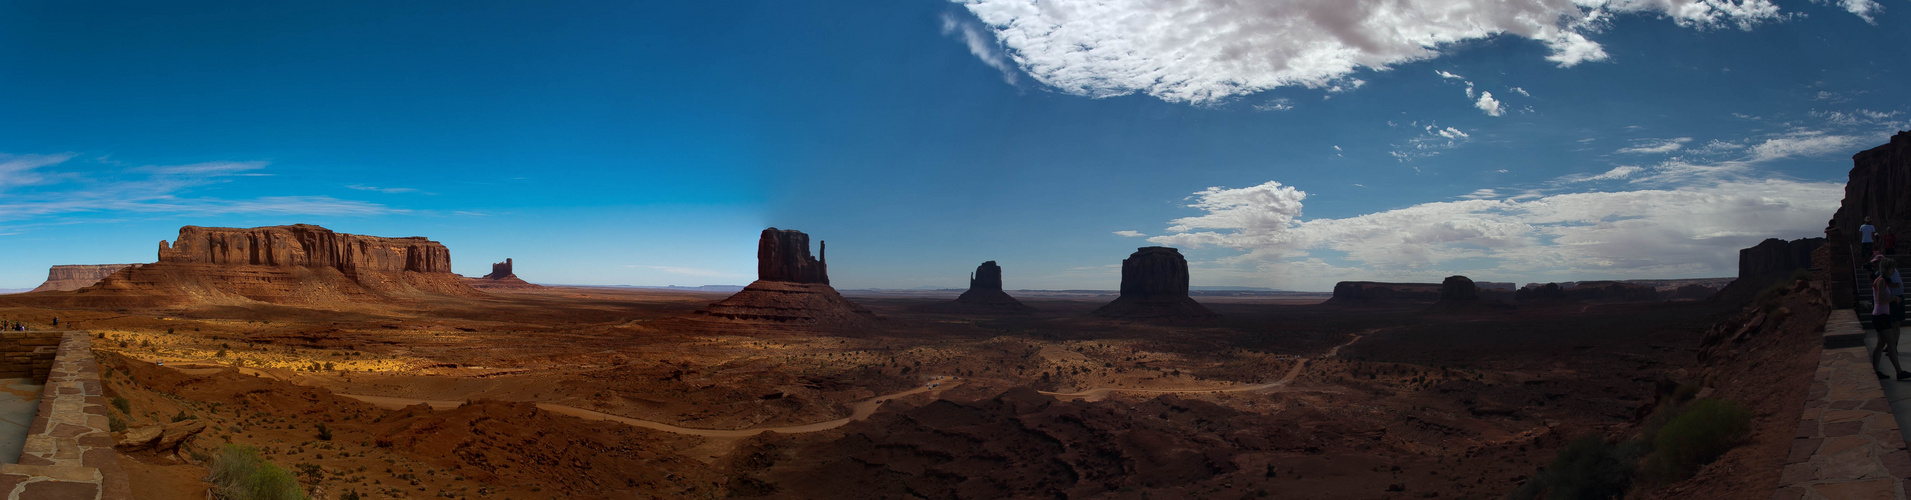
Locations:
column 861, row 410
column 1101, row 393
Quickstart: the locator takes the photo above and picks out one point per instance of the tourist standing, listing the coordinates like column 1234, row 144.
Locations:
column 1864, row 237
column 1887, row 312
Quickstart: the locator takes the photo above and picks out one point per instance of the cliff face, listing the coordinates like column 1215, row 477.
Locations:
column 1154, row 285
column 75, row 277
column 1775, row 256
column 784, row 255
column 988, row 276
column 305, row 245
column 1879, row 187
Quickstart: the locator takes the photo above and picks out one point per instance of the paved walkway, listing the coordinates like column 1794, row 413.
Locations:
column 1849, row 445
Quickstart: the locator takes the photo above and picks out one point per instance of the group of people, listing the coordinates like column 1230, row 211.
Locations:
column 15, row 326
column 1887, row 287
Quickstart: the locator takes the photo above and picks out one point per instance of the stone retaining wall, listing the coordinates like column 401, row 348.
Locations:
column 69, row 450
column 28, row 354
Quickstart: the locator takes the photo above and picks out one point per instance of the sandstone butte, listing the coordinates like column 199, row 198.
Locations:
column 1154, row 285
column 791, row 288
column 501, row 278
column 75, row 277
column 285, row 264
column 985, row 294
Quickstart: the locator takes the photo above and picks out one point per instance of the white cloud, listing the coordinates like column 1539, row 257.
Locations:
column 1657, row 146
column 1130, row 233
column 1864, row 9
column 1487, row 103
column 1435, row 140
column 1520, row 91
column 1281, row 104
column 1802, row 143
column 1686, row 231
column 44, row 196
column 1481, row 194
column 1617, row 173
column 1444, row 74
column 362, row 187
column 980, row 44
column 1201, row 51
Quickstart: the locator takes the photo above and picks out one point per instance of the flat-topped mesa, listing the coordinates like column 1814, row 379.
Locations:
column 985, row 294
column 296, row 264
column 792, row 288
column 1355, row 293
column 784, row 255
column 74, row 277
column 1154, row 284
column 1774, row 257
column 305, row 245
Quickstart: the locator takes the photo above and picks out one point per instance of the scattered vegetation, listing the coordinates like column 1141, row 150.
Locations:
column 238, row 472
column 1699, row 435
column 124, row 406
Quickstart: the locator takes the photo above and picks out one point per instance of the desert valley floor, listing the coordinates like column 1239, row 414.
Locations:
column 575, row 392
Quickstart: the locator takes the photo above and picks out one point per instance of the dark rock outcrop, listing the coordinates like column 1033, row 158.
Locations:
column 985, row 294
column 282, row 264
column 1459, row 289
column 1775, row 256
column 1690, row 292
column 792, row 288
column 784, row 255
column 501, row 278
column 1357, row 293
column 1534, row 292
column 75, row 277
column 1612, row 291
column 1154, row 285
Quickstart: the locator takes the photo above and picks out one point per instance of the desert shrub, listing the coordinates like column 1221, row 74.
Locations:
column 1699, row 435
column 123, row 405
column 182, row 416
column 115, row 424
column 324, row 434
column 239, row 472
column 220, row 354
column 1588, row 468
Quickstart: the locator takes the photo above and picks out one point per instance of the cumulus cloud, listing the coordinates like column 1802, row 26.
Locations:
column 1200, row 51
column 1657, row 146
column 1487, row 103
column 1684, row 231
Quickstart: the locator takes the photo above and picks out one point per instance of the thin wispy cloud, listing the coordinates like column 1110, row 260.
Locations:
column 79, row 195
column 386, row 190
column 1656, row 146
column 980, row 44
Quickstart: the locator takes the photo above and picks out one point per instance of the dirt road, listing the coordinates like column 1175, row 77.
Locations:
column 1100, row 393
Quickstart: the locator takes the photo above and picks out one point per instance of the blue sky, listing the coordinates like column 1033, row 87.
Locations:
column 1283, row 144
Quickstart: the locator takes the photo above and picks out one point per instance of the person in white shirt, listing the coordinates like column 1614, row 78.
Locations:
column 1864, row 237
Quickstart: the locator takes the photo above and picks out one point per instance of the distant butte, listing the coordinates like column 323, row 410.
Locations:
column 501, row 278
column 296, row 264
column 75, row 277
column 1154, row 285
column 791, row 288
column 985, row 295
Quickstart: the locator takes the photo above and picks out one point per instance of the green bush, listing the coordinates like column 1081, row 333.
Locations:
column 1588, row 468
column 123, row 405
column 115, row 424
column 1699, row 435
column 239, row 473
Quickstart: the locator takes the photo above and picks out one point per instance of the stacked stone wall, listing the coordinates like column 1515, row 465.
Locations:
column 69, row 449
column 28, row 354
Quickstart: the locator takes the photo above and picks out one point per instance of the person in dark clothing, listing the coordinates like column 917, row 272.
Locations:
column 1887, row 312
